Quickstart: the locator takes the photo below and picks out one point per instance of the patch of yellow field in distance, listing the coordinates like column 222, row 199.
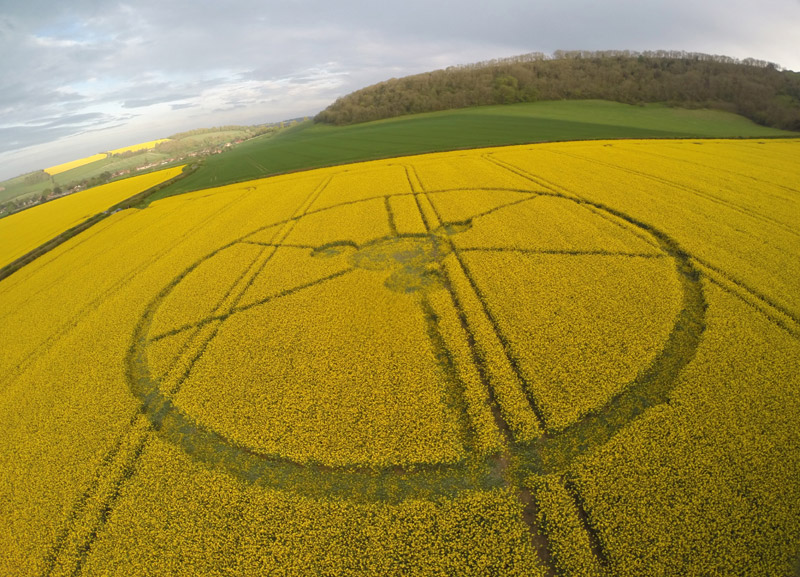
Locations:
column 137, row 147
column 59, row 168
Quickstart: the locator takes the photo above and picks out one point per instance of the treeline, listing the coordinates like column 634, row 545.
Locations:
column 36, row 177
column 211, row 130
column 759, row 90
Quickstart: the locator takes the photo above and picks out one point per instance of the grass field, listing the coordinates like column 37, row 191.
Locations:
column 138, row 147
column 312, row 146
column 18, row 188
column 70, row 174
column 53, row 170
column 552, row 359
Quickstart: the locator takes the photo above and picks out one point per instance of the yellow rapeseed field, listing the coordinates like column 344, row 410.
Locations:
column 574, row 359
column 137, row 147
column 22, row 232
column 59, row 168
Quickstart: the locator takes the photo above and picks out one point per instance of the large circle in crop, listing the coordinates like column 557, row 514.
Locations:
column 273, row 358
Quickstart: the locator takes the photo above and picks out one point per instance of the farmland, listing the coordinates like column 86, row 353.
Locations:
column 575, row 358
column 317, row 145
column 138, row 147
column 25, row 190
column 23, row 232
column 58, row 169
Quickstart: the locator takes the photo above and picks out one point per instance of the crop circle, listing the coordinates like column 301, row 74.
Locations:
column 406, row 265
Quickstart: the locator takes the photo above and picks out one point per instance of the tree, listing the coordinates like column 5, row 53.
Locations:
column 755, row 89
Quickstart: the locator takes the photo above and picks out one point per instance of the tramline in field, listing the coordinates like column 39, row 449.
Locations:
column 378, row 339
column 517, row 360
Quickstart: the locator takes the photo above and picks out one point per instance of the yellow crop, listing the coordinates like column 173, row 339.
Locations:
column 717, row 223
column 503, row 381
column 363, row 388
column 558, row 515
column 488, row 439
column 593, row 322
column 371, row 181
column 209, row 524
column 59, row 168
column 137, row 147
column 571, row 358
column 720, row 461
column 22, row 232
column 405, row 215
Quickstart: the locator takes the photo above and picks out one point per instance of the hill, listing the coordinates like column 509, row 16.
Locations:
column 41, row 186
column 755, row 89
column 308, row 145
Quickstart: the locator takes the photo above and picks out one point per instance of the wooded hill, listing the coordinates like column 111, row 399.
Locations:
column 759, row 90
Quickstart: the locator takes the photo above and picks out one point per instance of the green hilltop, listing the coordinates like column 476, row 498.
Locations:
column 524, row 99
column 313, row 145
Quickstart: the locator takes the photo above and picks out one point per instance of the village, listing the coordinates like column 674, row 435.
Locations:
column 52, row 190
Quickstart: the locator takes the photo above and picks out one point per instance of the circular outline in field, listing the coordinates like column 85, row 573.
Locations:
column 394, row 483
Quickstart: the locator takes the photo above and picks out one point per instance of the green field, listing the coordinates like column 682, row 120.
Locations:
column 18, row 188
column 111, row 164
column 309, row 145
column 315, row 145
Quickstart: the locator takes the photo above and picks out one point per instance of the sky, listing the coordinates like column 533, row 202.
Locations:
column 84, row 76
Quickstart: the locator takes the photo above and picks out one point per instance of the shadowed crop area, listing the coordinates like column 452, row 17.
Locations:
column 551, row 359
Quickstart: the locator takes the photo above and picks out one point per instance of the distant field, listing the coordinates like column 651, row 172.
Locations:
column 58, row 169
column 221, row 136
column 71, row 173
column 573, row 359
column 311, row 146
column 19, row 188
column 24, row 185
column 110, row 164
column 22, row 232
column 137, row 147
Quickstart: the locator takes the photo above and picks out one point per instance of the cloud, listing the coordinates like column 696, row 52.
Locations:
column 48, row 42
column 150, row 101
column 184, row 64
column 49, row 129
column 73, row 119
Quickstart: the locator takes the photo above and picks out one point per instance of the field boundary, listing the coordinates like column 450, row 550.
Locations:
column 61, row 238
column 556, row 455
column 525, row 142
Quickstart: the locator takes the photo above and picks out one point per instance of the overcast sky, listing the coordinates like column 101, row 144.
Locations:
column 84, row 76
